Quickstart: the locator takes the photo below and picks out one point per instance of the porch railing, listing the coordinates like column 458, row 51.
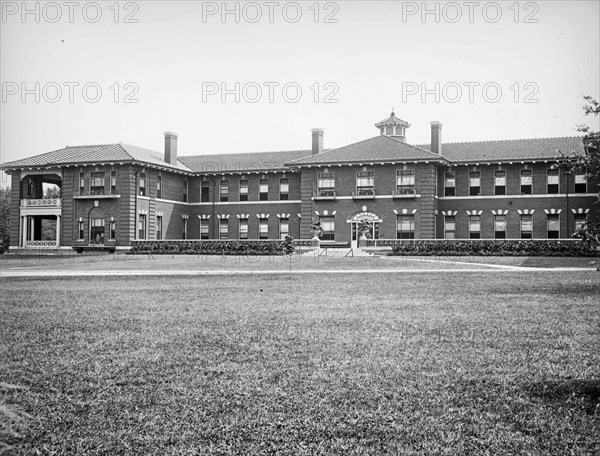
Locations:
column 40, row 243
column 46, row 202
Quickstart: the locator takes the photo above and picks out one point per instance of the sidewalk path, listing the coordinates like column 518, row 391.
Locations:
column 21, row 273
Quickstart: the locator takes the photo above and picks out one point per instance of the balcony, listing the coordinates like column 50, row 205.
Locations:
column 324, row 195
column 49, row 202
column 364, row 193
column 404, row 192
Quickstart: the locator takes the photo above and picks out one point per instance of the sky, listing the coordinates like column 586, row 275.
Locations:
column 233, row 77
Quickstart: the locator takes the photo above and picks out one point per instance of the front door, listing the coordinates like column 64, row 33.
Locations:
column 97, row 231
column 373, row 233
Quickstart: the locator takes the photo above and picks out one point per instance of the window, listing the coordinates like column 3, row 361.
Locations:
column 224, row 191
column 243, row 228
column 204, row 229
column 263, row 190
column 97, row 184
column 284, row 227
column 263, row 228
column 405, row 227
column 328, row 227
column 405, row 181
column 365, row 183
column 326, row 184
column 580, row 221
column 450, row 227
column 81, row 185
column 284, row 189
column 475, row 227
column 580, row 183
column 159, row 187
column 113, row 182
column 526, row 181
column 449, row 184
column 552, row 181
column 500, row 227
column 204, row 192
column 500, row 182
column 223, row 228
column 80, row 230
column 97, row 230
column 159, row 227
column 185, row 191
column 526, row 226
column 112, row 229
column 474, row 183
column 553, row 226
column 142, row 184
column 185, row 229
column 243, row 190
column 142, row 226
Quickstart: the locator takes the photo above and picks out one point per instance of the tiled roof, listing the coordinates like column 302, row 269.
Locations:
column 60, row 156
column 100, row 153
column 377, row 149
column 151, row 156
column 511, row 149
column 256, row 161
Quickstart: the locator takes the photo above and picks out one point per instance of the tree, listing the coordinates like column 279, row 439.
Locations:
column 589, row 162
column 51, row 191
column 4, row 219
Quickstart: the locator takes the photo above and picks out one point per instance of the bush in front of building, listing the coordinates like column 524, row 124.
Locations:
column 197, row 247
column 495, row 248
column 4, row 219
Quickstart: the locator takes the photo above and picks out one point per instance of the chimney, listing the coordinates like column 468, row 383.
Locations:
column 317, row 140
column 436, row 137
column 171, row 148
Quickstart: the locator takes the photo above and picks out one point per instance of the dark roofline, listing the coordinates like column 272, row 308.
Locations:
column 506, row 140
column 249, row 153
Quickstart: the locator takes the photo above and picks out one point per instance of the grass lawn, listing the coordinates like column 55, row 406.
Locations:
column 415, row 363
column 335, row 259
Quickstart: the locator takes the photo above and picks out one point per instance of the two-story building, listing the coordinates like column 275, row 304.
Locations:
column 112, row 194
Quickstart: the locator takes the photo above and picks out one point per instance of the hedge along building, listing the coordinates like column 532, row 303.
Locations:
column 116, row 193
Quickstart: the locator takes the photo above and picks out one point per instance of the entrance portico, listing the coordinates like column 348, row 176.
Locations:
column 33, row 214
column 360, row 220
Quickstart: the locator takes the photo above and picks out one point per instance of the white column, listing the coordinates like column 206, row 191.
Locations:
column 22, row 229
column 58, row 231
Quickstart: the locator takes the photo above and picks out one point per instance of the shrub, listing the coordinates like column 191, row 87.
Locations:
column 214, row 247
column 495, row 248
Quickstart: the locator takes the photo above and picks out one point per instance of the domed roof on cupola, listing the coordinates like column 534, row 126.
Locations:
column 393, row 126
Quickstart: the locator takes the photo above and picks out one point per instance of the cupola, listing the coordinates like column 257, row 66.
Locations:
column 394, row 127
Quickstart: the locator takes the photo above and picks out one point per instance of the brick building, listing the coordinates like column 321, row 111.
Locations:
column 115, row 193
